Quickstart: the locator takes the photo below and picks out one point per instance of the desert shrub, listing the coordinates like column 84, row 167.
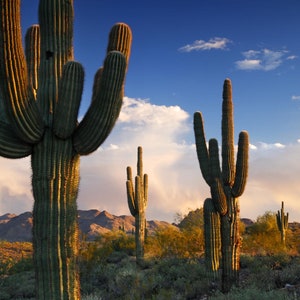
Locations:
column 172, row 242
column 166, row 242
column 251, row 293
column 19, row 285
column 263, row 237
column 23, row 265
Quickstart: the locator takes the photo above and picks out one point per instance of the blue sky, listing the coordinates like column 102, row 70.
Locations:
column 181, row 53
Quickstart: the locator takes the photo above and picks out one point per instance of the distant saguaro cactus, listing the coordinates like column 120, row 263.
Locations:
column 282, row 222
column 226, row 184
column 137, row 196
column 41, row 93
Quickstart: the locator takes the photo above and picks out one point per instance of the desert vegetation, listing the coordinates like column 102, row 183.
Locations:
column 173, row 266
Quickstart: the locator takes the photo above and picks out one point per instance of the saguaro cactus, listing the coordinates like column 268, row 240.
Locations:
column 137, row 202
column 226, row 183
column 282, row 222
column 41, row 92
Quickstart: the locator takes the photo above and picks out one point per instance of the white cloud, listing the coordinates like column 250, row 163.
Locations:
column 201, row 45
column 295, row 98
column 264, row 59
column 292, row 57
column 175, row 180
column 249, row 64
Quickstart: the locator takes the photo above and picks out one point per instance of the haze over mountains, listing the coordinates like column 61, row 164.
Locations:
column 92, row 222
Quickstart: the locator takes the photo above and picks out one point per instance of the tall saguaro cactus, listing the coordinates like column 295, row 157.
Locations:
column 282, row 222
column 227, row 182
column 137, row 196
column 41, row 91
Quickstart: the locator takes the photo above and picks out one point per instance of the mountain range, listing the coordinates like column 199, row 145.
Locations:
column 17, row 228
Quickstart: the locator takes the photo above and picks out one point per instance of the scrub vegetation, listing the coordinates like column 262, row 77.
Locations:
column 174, row 264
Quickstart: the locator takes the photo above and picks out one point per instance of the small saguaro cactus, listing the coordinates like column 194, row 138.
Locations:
column 226, row 183
column 282, row 222
column 40, row 91
column 137, row 197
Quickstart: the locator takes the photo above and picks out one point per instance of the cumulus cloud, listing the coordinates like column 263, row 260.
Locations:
column 201, row 45
column 264, row 59
column 170, row 160
column 272, row 179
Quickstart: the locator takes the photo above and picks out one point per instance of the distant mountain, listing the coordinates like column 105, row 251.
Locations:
column 15, row 228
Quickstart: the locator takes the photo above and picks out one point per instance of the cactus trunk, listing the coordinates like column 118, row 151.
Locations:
column 55, row 183
column 230, row 240
column 140, row 234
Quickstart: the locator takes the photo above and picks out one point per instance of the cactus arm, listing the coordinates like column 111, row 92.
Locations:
column 12, row 146
column 107, row 99
column 227, row 135
column 103, row 111
column 218, row 196
column 212, row 236
column 32, row 54
column 129, row 173
column 20, row 106
column 241, row 172
column 201, row 148
column 130, row 192
column 214, row 159
column 69, row 97
column 145, row 192
column 216, row 185
column 286, row 220
column 278, row 219
column 120, row 38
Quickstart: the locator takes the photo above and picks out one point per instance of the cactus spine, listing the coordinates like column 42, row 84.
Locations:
column 282, row 222
column 137, row 197
column 41, row 91
column 226, row 183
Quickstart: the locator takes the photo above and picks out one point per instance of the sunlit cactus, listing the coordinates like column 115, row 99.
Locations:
column 137, row 196
column 41, row 91
column 282, row 222
column 227, row 182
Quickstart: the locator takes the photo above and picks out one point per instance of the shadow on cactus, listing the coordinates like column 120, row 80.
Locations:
column 227, row 182
column 41, row 92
